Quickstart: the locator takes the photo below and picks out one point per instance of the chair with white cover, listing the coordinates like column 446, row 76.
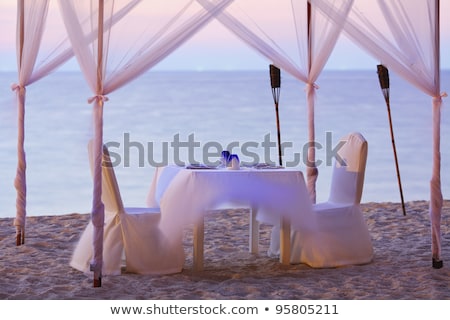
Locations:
column 340, row 236
column 132, row 238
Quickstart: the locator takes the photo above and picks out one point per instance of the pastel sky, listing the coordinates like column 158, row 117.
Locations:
column 213, row 48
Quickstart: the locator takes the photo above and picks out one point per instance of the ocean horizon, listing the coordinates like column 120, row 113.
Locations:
column 167, row 117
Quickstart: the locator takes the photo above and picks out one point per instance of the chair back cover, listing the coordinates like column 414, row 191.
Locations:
column 341, row 235
column 131, row 239
column 110, row 189
column 348, row 175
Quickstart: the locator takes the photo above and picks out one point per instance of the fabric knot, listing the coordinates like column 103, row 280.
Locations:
column 439, row 97
column 17, row 87
column 98, row 98
column 312, row 85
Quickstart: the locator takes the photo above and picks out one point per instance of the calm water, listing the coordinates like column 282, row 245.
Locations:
column 211, row 109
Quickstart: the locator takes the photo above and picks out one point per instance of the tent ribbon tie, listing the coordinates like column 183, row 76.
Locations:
column 309, row 85
column 439, row 98
column 98, row 98
column 17, row 87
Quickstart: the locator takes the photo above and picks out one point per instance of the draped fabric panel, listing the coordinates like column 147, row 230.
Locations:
column 404, row 36
column 91, row 55
column 33, row 64
column 62, row 51
column 321, row 38
column 119, row 54
column 31, row 17
column 302, row 49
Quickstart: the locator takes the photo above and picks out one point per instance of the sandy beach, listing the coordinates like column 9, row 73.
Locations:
column 401, row 268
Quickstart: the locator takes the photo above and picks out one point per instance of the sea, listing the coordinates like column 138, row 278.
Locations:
column 182, row 117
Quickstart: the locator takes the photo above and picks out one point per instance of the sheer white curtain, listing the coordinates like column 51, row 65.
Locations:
column 119, row 54
column 61, row 51
column 404, row 36
column 34, row 63
column 31, row 17
column 297, row 38
column 320, row 38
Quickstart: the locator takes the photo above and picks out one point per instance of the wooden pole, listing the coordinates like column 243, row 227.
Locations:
column 21, row 190
column 436, row 198
column 100, row 48
column 22, row 30
column 311, row 170
column 383, row 77
column 98, row 129
column 309, row 30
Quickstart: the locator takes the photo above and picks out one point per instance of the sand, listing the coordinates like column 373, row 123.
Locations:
column 401, row 268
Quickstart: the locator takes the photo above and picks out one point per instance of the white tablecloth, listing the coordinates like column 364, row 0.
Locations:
column 184, row 195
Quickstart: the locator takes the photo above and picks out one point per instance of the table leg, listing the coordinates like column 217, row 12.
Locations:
column 199, row 235
column 253, row 231
column 285, row 241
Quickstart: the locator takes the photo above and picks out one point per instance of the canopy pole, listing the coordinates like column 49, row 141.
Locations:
column 22, row 30
column 20, row 180
column 311, row 170
column 309, row 30
column 383, row 77
column 436, row 199
column 98, row 210
column 275, row 82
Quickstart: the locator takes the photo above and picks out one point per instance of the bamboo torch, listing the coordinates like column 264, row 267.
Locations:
column 383, row 77
column 275, row 82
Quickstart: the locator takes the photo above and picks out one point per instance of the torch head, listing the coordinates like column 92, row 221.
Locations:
column 275, row 80
column 383, row 76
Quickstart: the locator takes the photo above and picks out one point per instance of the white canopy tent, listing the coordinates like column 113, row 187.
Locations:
column 103, row 77
column 405, row 37
column 31, row 21
column 409, row 49
column 27, row 50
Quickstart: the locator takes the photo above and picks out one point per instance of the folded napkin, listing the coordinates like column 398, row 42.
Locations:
column 199, row 166
column 267, row 166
